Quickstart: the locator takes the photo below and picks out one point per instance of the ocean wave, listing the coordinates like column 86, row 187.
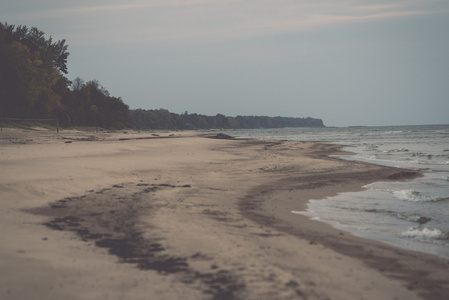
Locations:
column 414, row 218
column 415, row 196
column 396, row 150
column 424, row 233
column 422, row 155
column 411, row 218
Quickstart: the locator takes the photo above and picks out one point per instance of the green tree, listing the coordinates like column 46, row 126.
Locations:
column 90, row 104
column 30, row 67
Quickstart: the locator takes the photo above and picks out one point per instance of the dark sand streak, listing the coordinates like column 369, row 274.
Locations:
column 117, row 230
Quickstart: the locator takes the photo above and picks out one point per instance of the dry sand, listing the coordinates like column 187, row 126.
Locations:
column 138, row 216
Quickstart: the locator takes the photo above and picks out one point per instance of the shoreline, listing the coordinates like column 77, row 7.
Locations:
column 394, row 261
column 190, row 217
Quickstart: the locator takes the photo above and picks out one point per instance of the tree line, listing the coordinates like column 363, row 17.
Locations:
column 33, row 85
column 163, row 119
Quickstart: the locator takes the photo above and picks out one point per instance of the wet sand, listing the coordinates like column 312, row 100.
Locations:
column 183, row 215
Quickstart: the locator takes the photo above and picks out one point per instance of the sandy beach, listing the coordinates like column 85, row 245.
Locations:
column 185, row 215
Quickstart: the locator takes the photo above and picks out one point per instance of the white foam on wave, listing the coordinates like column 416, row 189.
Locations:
column 415, row 196
column 424, row 233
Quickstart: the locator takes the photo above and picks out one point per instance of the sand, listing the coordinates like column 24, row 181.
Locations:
column 182, row 215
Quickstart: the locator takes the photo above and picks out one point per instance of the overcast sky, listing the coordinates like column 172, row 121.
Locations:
column 347, row 62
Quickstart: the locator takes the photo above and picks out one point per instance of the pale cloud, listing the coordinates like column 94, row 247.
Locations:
column 233, row 19
column 245, row 13
column 384, row 7
column 178, row 21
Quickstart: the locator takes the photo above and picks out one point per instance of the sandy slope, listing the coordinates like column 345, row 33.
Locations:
column 134, row 216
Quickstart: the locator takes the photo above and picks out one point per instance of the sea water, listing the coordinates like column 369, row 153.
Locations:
column 413, row 214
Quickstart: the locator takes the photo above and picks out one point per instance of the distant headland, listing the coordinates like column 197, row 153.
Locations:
column 163, row 119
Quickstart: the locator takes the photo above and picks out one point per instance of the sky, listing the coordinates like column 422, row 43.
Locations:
column 347, row 62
